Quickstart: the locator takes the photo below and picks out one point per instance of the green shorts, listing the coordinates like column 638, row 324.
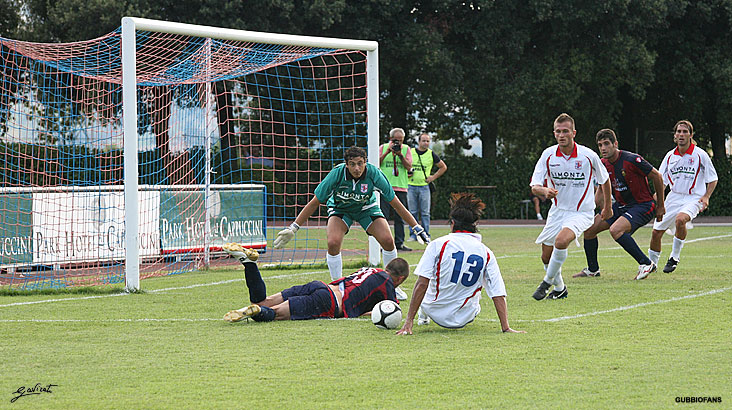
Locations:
column 364, row 217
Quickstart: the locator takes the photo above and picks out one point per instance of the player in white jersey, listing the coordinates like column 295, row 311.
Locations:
column 454, row 269
column 570, row 171
column 692, row 177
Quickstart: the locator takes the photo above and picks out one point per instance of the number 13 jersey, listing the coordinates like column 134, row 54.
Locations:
column 458, row 266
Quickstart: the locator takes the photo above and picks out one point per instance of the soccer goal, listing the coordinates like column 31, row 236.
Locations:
column 142, row 152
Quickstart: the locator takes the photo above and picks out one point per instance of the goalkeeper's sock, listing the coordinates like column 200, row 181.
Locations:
column 335, row 265
column 389, row 256
column 266, row 314
column 255, row 283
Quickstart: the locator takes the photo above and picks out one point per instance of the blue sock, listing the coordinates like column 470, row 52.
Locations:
column 627, row 242
column 255, row 283
column 265, row 315
column 591, row 254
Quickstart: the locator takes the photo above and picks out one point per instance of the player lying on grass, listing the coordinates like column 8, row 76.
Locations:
column 633, row 208
column 350, row 296
column 453, row 270
column 348, row 191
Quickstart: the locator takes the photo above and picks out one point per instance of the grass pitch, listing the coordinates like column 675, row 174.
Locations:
column 613, row 343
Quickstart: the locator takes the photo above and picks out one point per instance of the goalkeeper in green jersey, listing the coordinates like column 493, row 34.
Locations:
column 348, row 190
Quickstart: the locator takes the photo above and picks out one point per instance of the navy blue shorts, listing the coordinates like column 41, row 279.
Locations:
column 310, row 301
column 638, row 214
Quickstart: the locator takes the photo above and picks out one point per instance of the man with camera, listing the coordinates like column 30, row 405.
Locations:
column 395, row 159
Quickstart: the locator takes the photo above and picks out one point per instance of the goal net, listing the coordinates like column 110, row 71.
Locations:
column 142, row 152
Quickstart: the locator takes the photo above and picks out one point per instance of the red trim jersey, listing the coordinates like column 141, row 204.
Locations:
column 458, row 266
column 573, row 176
column 688, row 173
column 364, row 289
column 628, row 177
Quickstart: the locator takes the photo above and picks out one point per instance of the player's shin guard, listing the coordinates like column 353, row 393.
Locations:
column 654, row 256
column 676, row 248
column 388, row 256
column 335, row 265
column 627, row 242
column 591, row 254
column 255, row 283
column 555, row 264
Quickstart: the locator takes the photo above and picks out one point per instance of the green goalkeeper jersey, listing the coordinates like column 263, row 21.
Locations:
column 340, row 191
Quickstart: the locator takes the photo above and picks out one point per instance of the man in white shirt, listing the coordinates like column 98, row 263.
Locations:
column 569, row 170
column 692, row 177
column 452, row 272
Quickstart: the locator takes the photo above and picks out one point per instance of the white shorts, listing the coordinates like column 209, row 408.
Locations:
column 675, row 203
column 559, row 219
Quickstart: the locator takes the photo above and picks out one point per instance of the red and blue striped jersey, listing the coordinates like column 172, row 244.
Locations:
column 628, row 177
column 364, row 289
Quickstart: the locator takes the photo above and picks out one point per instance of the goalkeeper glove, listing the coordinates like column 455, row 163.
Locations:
column 422, row 236
column 285, row 235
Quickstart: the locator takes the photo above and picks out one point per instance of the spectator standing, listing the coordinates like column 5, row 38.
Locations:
column 419, row 194
column 395, row 159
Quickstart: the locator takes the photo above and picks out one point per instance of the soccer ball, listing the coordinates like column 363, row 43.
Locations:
column 386, row 315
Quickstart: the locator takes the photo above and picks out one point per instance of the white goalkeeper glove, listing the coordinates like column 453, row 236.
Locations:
column 285, row 235
column 422, row 236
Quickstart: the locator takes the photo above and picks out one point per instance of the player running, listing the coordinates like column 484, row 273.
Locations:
column 692, row 177
column 348, row 190
column 351, row 296
column 570, row 171
column 633, row 207
column 453, row 270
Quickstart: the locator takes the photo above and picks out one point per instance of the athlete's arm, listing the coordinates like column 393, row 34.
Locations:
column 420, row 288
column 705, row 199
column 607, row 208
column 544, row 192
column 308, row 211
column 403, row 212
column 500, row 303
column 657, row 181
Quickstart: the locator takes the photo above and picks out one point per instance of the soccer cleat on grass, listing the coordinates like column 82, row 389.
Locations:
column 645, row 270
column 586, row 273
column 554, row 295
column 422, row 318
column 670, row 265
column 400, row 294
column 245, row 255
column 540, row 292
column 243, row 313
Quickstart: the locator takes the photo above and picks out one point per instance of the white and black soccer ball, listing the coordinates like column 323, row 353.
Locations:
column 386, row 315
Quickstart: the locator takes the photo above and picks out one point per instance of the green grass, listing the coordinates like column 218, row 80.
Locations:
column 168, row 348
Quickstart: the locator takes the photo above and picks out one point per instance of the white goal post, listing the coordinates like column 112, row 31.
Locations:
column 130, row 25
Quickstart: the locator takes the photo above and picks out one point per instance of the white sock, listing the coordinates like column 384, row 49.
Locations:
column 676, row 248
column 388, row 256
column 559, row 282
column 335, row 265
column 654, row 256
column 546, row 265
column 539, row 217
column 555, row 263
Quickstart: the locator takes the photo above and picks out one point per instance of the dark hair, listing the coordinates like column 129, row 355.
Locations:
column 606, row 134
column 398, row 267
column 465, row 210
column 355, row 152
column 564, row 117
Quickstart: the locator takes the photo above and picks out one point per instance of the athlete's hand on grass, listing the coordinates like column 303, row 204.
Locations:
column 406, row 329
column 509, row 330
column 422, row 236
column 285, row 235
